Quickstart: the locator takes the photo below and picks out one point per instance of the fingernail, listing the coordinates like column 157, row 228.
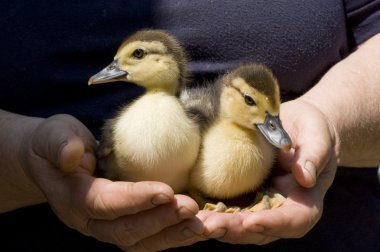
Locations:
column 183, row 213
column 160, row 199
column 310, row 169
column 218, row 233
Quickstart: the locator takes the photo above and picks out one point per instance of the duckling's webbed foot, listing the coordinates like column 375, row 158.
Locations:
column 266, row 200
column 204, row 203
column 220, row 207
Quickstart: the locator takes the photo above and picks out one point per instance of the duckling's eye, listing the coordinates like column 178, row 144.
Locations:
column 138, row 53
column 249, row 100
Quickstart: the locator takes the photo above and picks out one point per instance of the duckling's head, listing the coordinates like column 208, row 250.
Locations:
column 251, row 98
column 153, row 59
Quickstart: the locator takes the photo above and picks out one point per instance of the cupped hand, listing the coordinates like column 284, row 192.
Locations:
column 303, row 176
column 59, row 157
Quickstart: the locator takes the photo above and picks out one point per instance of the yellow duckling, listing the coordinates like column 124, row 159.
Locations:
column 237, row 150
column 152, row 138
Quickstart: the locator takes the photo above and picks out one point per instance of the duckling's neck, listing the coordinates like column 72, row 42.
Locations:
column 236, row 125
column 171, row 89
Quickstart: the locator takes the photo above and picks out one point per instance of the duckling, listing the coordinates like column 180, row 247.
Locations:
column 152, row 138
column 238, row 147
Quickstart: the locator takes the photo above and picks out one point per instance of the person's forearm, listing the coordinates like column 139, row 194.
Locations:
column 16, row 188
column 349, row 96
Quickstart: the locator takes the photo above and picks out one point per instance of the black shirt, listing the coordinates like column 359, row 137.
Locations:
column 49, row 49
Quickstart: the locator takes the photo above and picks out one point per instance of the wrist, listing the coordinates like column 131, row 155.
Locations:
column 17, row 188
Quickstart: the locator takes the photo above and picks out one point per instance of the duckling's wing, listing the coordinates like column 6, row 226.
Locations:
column 201, row 103
column 105, row 154
column 105, row 146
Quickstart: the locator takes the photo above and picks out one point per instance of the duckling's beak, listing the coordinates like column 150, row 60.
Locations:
column 109, row 74
column 274, row 132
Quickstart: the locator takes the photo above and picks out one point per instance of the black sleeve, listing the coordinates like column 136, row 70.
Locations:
column 363, row 19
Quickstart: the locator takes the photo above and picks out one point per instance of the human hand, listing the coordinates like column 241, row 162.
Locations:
column 303, row 177
column 59, row 157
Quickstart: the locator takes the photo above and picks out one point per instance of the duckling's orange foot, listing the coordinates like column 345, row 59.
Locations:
column 267, row 200
column 220, row 207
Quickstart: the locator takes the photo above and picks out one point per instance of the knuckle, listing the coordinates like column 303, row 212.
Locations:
column 61, row 117
column 119, row 234
column 165, row 242
column 127, row 235
column 101, row 208
column 309, row 224
column 265, row 240
column 156, row 243
column 139, row 247
column 98, row 207
column 87, row 228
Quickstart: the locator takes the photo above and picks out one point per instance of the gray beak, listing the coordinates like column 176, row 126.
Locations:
column 274, row 132
column 109, row 74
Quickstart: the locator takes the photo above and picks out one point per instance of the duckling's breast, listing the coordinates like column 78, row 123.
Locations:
column 233, row 161
column 154, row 140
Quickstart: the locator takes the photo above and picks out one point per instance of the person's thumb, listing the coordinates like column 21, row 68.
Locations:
column 306, row 161
column 64, row 142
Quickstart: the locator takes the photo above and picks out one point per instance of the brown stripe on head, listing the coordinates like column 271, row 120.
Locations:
column 259, row 77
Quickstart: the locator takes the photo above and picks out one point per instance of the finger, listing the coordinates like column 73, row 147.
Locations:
column 73, row 156
column 327, row 175
column 64, row 141
column 228, row 227
column 70, row 154
column 88, row 162
column 106, row 200
column 183, row 234
column 310, row 154
column 307, row 164
column 277, row 223
column 217, row 225
column 312, row 142
column 78, row 128
column 78, row 197
column 130, row 229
